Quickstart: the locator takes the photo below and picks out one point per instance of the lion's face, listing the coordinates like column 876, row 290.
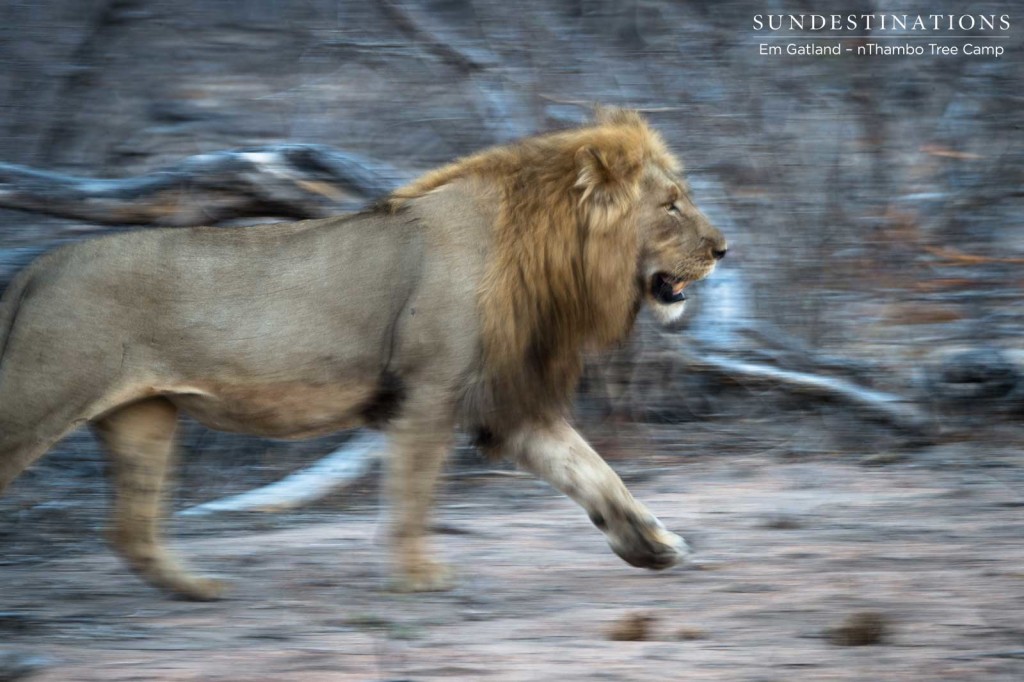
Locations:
column 678, row 244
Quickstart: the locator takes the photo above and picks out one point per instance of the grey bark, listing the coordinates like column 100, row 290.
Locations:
column 288, row 180
column 337, row 470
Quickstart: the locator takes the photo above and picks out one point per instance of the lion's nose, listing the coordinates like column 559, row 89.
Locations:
column 716, row 242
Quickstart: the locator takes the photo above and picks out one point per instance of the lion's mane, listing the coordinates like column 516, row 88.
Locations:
column 563, row 272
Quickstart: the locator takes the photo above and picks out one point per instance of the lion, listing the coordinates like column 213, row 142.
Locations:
column 464, row 300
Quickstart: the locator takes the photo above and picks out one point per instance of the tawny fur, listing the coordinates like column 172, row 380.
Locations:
column 467, row 298
column 565, row 256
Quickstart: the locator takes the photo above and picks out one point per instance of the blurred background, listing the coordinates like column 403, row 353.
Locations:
column 868, row 315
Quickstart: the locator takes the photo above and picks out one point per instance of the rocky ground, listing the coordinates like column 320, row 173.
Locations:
column 809, row 564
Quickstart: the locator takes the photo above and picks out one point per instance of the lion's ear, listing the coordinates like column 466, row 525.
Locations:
column 604, row 176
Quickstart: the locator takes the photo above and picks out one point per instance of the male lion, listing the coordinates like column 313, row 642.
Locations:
column 465, row 298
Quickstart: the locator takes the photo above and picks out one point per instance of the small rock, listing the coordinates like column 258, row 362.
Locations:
column 859, row 629
column 634, row 627
column 782, row 522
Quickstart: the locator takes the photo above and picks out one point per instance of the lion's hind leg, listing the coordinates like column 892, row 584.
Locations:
column 140, row 440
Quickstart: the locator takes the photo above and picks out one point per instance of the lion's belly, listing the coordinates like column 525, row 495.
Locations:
column 280, row 409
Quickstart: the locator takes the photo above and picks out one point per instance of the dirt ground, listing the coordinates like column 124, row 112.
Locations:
column 789, row 545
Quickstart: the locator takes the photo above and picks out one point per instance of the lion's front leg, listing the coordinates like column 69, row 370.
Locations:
column 560, row 456
column 420, row 440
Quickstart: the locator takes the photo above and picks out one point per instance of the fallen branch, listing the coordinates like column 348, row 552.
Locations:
column 889, row 407
column 288, row 180
column 337, row 470
column 791, row 352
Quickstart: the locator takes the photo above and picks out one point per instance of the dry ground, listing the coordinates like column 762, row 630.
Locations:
column 788, row 546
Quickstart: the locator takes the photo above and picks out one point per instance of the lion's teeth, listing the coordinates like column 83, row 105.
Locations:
column 679, row 287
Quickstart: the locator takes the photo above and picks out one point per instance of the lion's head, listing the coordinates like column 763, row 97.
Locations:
column 632, row 184
column 593, row 221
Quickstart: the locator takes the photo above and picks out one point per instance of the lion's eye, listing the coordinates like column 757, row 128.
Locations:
column 672, row 208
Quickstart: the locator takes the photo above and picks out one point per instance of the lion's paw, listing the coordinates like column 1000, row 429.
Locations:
column 644, row 542
column 199, row 589
column 425, row 576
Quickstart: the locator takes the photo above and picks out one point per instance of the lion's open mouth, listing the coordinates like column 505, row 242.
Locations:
column 668, row 289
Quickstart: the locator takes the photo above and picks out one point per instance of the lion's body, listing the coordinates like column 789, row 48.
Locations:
column 283, row 330
column 467, row 297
